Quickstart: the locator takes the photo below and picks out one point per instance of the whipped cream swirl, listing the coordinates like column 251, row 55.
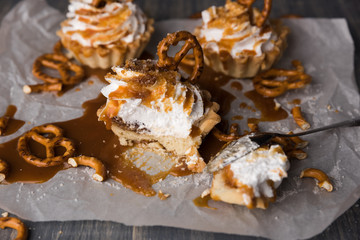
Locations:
column 116, row 21
column 171, row 110
column 260, row 166
column 228, row 28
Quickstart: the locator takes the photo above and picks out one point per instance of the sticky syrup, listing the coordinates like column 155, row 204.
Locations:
column 13, row 124
column 203, row 202
column 267, row 107
column 91, row 139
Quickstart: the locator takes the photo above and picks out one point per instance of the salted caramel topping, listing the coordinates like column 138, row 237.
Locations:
column 229, row 29
column 153, row 97
column 94, row 26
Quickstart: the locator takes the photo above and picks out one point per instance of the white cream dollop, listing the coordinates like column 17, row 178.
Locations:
column 116, row 21
column 156, row 118
column 259, row 166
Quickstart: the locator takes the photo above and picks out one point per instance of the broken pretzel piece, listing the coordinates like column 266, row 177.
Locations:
column 223, row 136
column 323, row 180
column 16, row 224
column 275, row 82
column 299, row 143
column 296, row 153
column 100, row 170
column 47, row 87
column 4, row 169
column 299, row 119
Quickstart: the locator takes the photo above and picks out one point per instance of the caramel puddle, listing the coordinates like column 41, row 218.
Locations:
column 13, row 124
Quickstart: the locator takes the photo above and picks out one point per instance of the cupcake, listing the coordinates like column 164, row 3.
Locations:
column 149, row 103
column 101, row 34
column 239, row 41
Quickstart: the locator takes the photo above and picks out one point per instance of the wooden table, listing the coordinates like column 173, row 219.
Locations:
column 346, row 226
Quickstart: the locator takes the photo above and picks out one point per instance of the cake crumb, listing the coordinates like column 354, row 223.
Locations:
column 163, row 196
column 205, row 193
column 277, row 105
column 5, row 214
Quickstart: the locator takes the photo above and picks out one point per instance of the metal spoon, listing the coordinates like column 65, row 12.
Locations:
column 245, row 145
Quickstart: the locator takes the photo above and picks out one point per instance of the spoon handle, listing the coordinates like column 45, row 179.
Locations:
column 348, row 123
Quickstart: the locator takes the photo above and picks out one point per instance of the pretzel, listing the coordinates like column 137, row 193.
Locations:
column 4, row 169
column 100, row 170
column 16, row 224
column 266, row 84
column 226, row 137
column 58, row 48
column 285, row 142
column 172, row 62
column 323, row 180
column 296, row 153
column 47, row 87
column 51, row 137
column 189, row 60
column 260, row 21
column 299, row 119
column 60, row 63
column 53, row 61
column 77, row 77
column 299, row 143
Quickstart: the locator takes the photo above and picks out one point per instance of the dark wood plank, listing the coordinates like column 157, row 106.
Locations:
column 345, row 227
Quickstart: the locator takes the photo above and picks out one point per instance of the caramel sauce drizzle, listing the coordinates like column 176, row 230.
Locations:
column 12, row 124
column 203, row 202
column 267, row 107
column 92, row 139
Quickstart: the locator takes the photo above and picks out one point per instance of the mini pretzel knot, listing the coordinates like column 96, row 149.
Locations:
column 49, row 136
column 266, row 84
column 172, row 62
column 60, row 63
column 264, row 13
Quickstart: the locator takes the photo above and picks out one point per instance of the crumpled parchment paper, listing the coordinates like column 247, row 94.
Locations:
column 302, row 210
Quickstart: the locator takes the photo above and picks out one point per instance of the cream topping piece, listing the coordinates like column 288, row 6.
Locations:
column 116, row 21
column 260, row 166
column 228, row 28
column 171, row 109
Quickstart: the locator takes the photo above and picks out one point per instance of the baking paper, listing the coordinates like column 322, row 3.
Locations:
column 301, row 210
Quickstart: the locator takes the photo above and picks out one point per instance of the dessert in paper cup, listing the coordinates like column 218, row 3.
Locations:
column 238, row 40
column 101, row 34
